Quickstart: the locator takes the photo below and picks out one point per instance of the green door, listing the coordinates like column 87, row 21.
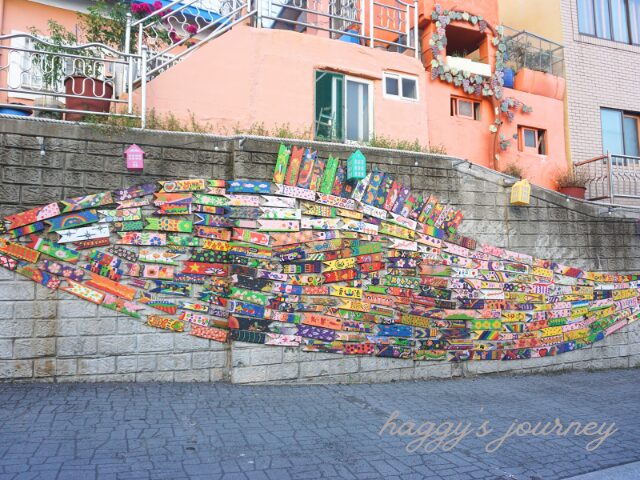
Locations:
column 329, row 114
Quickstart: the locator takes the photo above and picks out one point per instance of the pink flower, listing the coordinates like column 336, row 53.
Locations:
column 140, row 8
column 191, row 29
column 157, row 5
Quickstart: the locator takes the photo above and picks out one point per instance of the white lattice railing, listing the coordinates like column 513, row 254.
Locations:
column 181, row 27
column 70, row 80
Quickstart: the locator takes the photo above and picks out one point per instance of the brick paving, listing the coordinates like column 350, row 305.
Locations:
column 222, row 431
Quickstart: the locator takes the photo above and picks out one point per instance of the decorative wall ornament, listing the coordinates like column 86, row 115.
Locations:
column 470, row 83
column 368, row 268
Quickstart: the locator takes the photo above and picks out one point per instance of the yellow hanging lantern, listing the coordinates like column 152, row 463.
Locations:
column 521, row 193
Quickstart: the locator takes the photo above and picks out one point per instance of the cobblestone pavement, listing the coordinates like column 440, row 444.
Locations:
column 211, row 431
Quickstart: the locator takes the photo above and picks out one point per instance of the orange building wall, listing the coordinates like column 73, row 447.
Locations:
column 20, row 15
column 472, row 140
column 251, row 76
column 548, row 114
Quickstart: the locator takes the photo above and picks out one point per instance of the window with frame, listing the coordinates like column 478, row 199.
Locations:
column 532, row 140
column 620, row 134
column 617, row 20
column 400, row 86
column 343, row 107
column 464, row 108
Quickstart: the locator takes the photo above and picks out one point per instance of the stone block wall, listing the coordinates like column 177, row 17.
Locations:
column 52, row 336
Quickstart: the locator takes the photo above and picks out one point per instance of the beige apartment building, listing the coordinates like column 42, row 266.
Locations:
column 601, row 40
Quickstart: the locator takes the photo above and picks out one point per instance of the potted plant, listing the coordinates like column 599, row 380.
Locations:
column 572, row 184
column 18, row 109
column 84, row 81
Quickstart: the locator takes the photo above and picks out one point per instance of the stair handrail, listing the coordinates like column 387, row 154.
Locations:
column 201, row 42
column 174, row 15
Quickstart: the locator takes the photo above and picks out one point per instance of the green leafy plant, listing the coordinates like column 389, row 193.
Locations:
column 169, row 122
column 524, row 55
column 278, row 130
column 106, row 23
column 380, row 141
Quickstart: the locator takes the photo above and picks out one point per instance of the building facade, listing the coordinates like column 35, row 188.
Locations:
column 602, row 47
column 601, row 41
column 435, row 72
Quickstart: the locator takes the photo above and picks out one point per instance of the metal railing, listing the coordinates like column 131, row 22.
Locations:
column 181, row 27
column 528, row 50
column 94, row 79
column 74, row 81
column 611, row 177
column 388, row 24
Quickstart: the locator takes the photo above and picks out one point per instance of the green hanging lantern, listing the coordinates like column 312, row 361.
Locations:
column 356, row 166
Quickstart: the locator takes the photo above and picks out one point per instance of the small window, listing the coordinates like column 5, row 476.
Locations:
column 410, row 88
column 400, row 86
column 533, row 140
column 463, row 108
column 392, row 86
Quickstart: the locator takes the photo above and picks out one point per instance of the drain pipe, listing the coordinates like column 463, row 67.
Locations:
column 4, row 94
column 1, row 17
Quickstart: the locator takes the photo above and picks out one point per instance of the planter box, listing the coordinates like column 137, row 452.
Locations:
column 97, row 94
column 540, row 83
column 466, row 65
column 18, row 110
column 575, row 192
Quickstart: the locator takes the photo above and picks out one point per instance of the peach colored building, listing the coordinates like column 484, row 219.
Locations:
column 342, row 70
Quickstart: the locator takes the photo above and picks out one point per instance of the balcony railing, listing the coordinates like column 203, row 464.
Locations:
column 387, row 24
column 611, row 177
column 528, row 50
column 180, row 27
column 74, row 81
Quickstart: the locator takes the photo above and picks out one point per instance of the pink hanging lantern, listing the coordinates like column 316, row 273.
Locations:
column 134, row 156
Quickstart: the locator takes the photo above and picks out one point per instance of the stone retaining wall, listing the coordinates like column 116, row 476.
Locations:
column 51, row 336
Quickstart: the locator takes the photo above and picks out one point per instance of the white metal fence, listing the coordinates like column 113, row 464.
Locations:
column 70, row 81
